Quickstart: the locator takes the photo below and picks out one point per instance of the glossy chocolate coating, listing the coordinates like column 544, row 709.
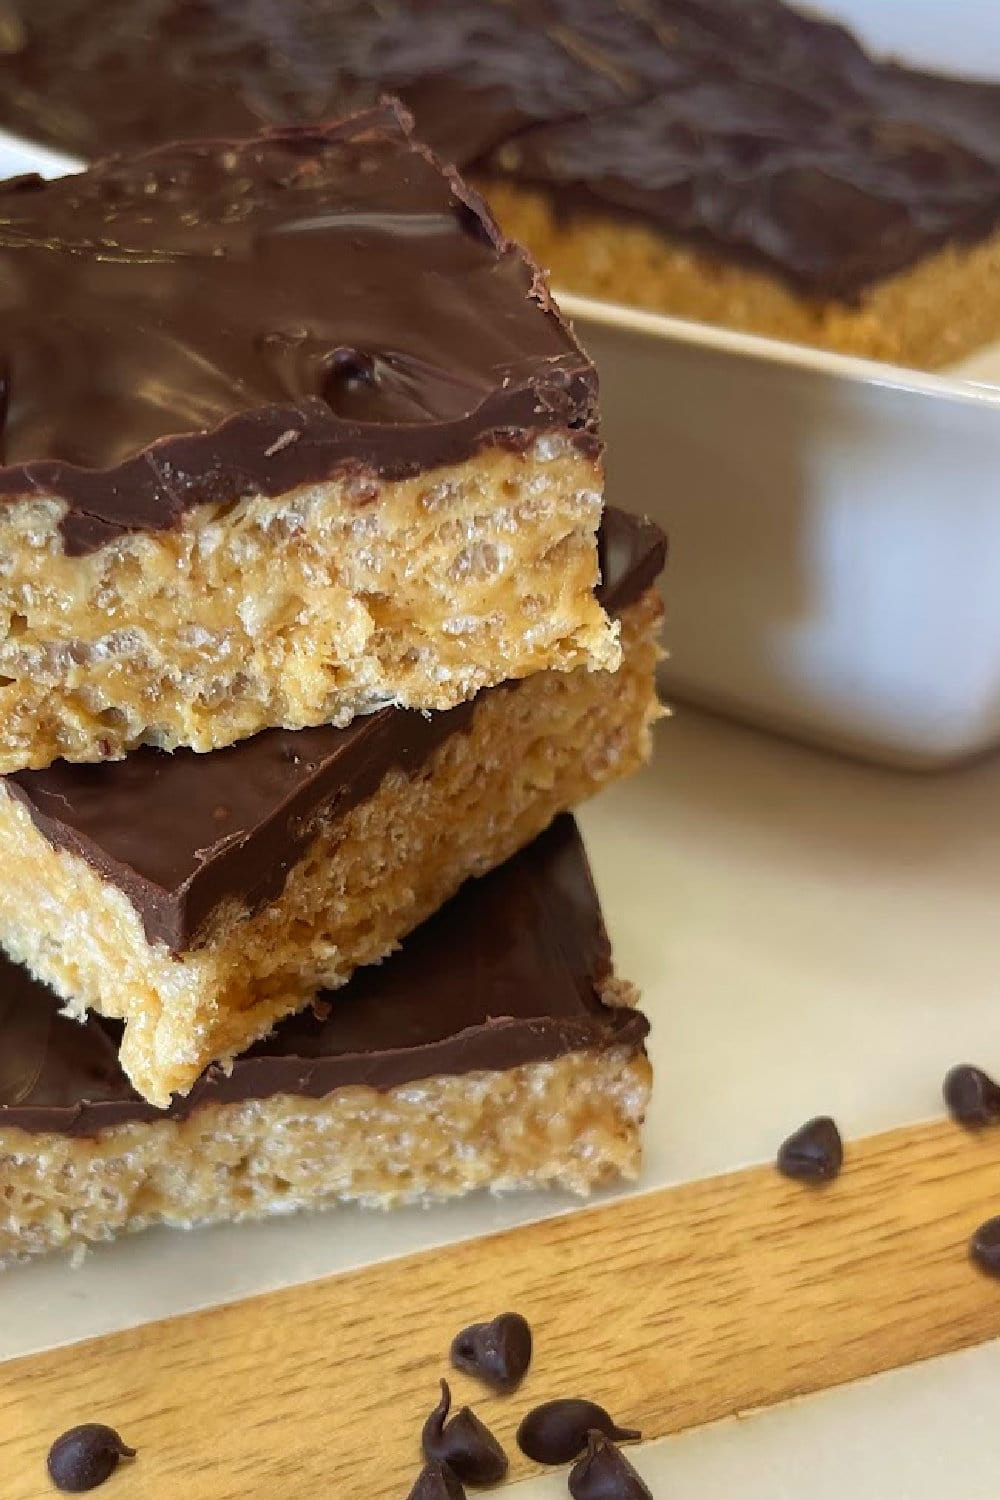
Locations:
column 215, row 320
column 757, row 133
column 509, row 972
column 182, row 833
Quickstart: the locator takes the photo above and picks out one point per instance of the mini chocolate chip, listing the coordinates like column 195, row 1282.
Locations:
column 437, row 1482
column 814, row 1153
column 604, row 1473
column 984, row 1247
column 466, row 1445
column 556, row 1432
column 86, row 1456
column 499, row 1353
column 971, row 1096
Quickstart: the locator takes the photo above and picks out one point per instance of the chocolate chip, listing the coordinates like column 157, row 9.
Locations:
column 85, row 1457
column 971, row 1096
column 437, row 1482
column 466, row 1445
column 556, row 1432
column 984, row 1247
column 604, row 1473
column 814, row 1153
column 498, row 1353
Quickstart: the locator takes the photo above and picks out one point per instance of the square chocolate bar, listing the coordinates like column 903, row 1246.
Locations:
column 290, row 432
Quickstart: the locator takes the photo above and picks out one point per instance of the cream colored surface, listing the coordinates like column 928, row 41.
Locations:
column 833, row 532
column 305, row 609
column 913, row 1434
column 367, row 879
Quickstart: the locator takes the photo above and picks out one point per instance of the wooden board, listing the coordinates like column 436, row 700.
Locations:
column 673, row 1308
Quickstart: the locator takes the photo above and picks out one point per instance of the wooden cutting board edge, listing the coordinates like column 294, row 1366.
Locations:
column 674, row 1308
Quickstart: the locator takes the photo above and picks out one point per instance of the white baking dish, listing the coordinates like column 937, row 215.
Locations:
column 835, row 531
column 835, row 523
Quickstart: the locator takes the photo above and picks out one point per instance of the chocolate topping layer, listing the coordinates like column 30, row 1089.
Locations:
column 509, row 972
column 221, row 319
column 181, row 833
column 752, row 130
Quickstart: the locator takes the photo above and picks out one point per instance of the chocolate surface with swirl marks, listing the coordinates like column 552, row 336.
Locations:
column 752, row 130
column 210, row 321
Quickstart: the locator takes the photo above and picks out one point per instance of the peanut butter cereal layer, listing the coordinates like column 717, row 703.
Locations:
column 288, row 432
column 495, row 1050
column 201, row 898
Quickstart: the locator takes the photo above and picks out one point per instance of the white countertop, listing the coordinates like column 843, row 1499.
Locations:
column 812, row 935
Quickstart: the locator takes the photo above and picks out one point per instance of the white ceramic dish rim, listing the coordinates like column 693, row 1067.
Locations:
column 749, row 346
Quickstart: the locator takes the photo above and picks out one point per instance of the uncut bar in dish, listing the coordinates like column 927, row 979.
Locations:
column 739, row 161
column 757, row 168
column 496, row 1049
column 201, row 898
column 289, row 432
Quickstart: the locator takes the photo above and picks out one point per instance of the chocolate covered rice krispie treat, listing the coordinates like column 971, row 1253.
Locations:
column 202, row 898
column 467, row 1060
column 288, row 432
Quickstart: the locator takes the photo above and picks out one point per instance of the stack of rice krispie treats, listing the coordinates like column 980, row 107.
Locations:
column 313, row 629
